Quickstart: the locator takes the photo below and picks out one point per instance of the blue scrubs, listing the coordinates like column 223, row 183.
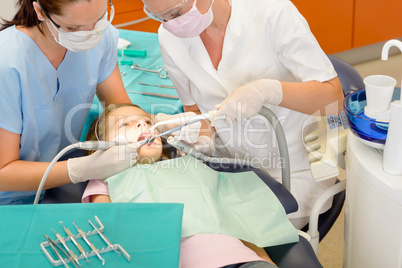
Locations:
column 48, row 107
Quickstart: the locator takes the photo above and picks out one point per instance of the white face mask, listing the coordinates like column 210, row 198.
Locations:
column 190, row 24
column 83, row 40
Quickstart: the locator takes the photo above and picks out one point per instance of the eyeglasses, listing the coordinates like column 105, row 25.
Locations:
column 55, row 24
column 171, row 13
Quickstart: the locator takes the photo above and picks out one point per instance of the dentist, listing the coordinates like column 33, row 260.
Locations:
column 240, row 55
column 54, row 57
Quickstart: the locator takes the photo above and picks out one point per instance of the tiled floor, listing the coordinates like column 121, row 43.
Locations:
column 330, row 252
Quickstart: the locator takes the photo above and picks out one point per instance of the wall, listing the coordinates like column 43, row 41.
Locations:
column 7, row 9
column 341, row 25
column 127, row 11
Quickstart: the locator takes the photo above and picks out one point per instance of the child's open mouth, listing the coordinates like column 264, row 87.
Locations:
column 145, row 136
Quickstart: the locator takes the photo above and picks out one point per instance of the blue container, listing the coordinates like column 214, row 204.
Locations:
column 365, row 127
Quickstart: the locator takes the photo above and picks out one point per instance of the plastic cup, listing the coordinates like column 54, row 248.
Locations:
column 379, row 90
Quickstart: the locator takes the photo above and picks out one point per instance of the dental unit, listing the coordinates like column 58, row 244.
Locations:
column 373, row 207
column 392, row 161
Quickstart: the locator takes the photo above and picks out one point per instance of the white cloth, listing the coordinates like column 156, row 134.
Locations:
column 264, row 39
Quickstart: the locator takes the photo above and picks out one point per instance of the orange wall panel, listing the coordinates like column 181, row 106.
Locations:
column 377, row 21
column 130, row 10
column 331, row 22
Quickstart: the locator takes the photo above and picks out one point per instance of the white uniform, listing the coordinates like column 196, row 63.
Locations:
column 263, row 39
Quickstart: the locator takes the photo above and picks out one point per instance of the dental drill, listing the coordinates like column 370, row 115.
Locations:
column 194, row 119
column 191, row 120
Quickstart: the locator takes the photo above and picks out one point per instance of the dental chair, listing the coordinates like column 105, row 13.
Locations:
column 301, row 254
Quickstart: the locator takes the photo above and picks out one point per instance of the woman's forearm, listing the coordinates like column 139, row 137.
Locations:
column 312, row 97
column 26, row 175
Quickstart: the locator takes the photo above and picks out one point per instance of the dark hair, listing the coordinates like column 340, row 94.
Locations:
column 26, row 15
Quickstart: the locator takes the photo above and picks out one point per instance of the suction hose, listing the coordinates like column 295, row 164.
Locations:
column 282, row 144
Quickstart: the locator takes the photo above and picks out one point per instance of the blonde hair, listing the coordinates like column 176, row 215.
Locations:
column 98, row 129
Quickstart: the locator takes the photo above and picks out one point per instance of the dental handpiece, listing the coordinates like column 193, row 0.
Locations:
column 193, row 119
column 102, row 145
column 103, row 237
column 70, row 252
column 92, row 246
column 79, row 247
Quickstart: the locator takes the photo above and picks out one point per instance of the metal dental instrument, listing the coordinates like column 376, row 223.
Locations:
column 70, row 252
column 103, row 237
column 193, row 119
column 92, row 246
column 79, row 247
column 153, row 85
column 166, row 96
column 173, row 130
column 162, row 72
column 52, row 245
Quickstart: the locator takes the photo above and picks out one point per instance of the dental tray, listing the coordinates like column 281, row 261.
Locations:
column 371, row 131
column 45, row 246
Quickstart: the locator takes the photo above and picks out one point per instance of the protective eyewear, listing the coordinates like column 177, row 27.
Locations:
column 172, row 13
column 58, row 26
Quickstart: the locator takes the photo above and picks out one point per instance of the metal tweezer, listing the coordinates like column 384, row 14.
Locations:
column 166, row 96
column 53, row 246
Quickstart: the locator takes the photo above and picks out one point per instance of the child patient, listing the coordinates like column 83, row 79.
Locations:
column 213, row 244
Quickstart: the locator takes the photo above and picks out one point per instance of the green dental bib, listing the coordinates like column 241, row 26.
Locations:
column 235, row 204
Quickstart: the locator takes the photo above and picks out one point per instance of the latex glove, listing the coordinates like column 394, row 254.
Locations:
column 246, row 101
column 103, row 163
column 205, row 145
column 188, row 133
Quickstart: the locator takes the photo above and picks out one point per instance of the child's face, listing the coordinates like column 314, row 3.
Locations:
column 133, row 124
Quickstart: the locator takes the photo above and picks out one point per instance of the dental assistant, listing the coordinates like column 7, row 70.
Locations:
column 240, row 55
column 54, row 57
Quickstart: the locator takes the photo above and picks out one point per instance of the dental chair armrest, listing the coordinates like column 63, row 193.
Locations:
column 285, row 197
column 295, row 255
column 70, row 193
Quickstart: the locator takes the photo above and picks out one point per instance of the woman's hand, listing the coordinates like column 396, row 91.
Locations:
column 187, row 133
column 102, row 164
column 246, row 101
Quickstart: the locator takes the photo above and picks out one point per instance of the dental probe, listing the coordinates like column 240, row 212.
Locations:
column 154, row 85
column 63, row 242
column 75, row 241
column 92, row 246
column 103, row 237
